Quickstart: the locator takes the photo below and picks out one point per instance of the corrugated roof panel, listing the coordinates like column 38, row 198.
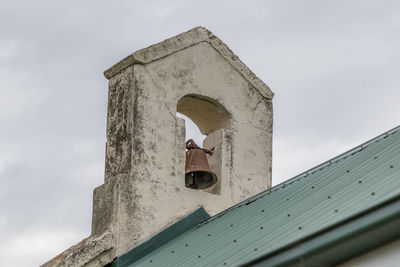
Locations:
column 322, row 197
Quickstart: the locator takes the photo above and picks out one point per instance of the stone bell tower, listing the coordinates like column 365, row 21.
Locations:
column 144, row 191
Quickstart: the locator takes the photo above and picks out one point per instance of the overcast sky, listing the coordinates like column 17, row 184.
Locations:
column 333, row 66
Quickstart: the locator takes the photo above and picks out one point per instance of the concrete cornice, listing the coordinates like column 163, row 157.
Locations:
column 88, row 252
column 185, row 40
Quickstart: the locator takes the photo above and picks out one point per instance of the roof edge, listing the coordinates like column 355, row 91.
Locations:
column 341, row 242
column 84, row 252
column 185, row 40
column 161, row 238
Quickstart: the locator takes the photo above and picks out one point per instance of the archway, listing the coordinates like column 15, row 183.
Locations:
column 210, row 117
column 205, row 112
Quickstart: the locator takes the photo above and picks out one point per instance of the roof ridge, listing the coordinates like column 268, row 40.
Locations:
column 350, row 152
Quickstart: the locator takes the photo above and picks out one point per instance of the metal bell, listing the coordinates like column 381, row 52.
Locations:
column 198, row 174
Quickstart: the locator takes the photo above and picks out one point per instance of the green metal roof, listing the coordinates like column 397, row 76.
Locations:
column 312, row 204
column 158, row 240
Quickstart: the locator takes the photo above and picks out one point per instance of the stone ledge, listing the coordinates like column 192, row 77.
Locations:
column 85, row 253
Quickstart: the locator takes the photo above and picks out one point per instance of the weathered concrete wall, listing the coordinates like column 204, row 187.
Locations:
column 157, row 141
column 144, row 189
column 119, row 124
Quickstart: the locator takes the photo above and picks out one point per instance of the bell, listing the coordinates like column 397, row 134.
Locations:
column 197, row 171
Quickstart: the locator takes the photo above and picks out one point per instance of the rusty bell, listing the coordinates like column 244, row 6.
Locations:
column 198, row 174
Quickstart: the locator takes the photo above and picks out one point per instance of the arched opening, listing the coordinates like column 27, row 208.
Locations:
column 203, row 116
column 205, row 112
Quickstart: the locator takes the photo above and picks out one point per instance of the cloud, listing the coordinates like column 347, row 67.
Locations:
column 332, row 65
column 31, row 248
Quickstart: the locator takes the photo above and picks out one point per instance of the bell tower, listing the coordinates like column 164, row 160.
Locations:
column 145, row 189
column 197, row 75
